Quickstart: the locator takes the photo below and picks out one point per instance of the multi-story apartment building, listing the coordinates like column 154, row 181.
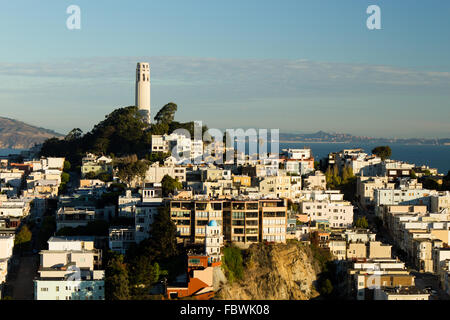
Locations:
column 243, row 221
column 213, row 241
column 394, row 169
column 440, row 201
column 366, row 186
column 339, row 214
column 146, row 210
column 404, row 196
column 374, row 274
column 315, row 181
column 192, row 216
column 275, row 186
column 156, row 173
column 70, row 270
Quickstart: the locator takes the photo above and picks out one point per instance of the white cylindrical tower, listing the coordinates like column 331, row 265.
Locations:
column 143, row 89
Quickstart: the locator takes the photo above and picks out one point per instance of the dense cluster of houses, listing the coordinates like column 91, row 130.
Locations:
column 239, row 202
column 25, row 187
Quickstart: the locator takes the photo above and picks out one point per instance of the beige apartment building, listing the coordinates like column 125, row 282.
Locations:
column 156, row 173
column 243, row 222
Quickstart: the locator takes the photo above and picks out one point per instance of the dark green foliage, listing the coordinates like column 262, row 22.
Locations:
column 161, row 248
column 159, row 129
column 344, row 181
column 232, row 263
column 163, row 236
column 67, row 166
column 112, row 196
column 157, row 157
column 65, row 177
column 327, row 278
column 142, row 275
column 166, row 114
column 189, row 126
column 22, row 241
column 169, row 185
column 384, row 152
column 128, row 171
column 47, row 229
column 362, row 223
column 326, row 288
column 446, row 182
column 104, row 176
column 316, row 165
column 74, row 134
column 431, row 184
column 117, row 285
column 121, row 133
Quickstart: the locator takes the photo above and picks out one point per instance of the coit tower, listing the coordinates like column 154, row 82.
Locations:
column 143, row 89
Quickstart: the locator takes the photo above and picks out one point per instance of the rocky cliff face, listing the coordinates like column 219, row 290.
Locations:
column 275, row 272
column 19, row 135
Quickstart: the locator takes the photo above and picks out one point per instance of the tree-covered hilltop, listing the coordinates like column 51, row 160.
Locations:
column 123, row 132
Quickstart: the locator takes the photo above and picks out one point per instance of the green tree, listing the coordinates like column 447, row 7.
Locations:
column 142, row 275
column 22, row 241
column 131, row 170
column 163, row 235
column 159, row 128
column 362, row 223
column 48, row 228
column 74, row 134
column 65, row 177
column 166, row 114
column 384, row 152
column 116, row 279
column 90, row 175
column 169, row 185
column 327, row 288
column 67, row 166
column 232, row 263
column 105, row 176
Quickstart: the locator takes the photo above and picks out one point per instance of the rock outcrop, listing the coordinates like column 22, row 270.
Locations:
column 275, row 272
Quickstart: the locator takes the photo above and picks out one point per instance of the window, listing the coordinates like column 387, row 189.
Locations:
column 44, row 289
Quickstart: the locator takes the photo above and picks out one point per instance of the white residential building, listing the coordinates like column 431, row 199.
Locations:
column 404, row 196
column 69, row 271
column 304, row 153
column 213, row 241
column 156, row 173
column 339, row 214
column 146, row 210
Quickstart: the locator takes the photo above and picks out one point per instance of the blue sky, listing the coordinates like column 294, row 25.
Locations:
column 300, row 66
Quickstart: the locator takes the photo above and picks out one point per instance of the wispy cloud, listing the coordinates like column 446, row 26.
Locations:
column 268, row 92
column 176, row 70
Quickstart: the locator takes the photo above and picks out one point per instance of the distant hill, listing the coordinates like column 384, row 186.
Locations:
column 322, row 136
column 19, row 135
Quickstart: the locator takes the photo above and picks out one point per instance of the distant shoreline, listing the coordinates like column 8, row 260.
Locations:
column 348, row 142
